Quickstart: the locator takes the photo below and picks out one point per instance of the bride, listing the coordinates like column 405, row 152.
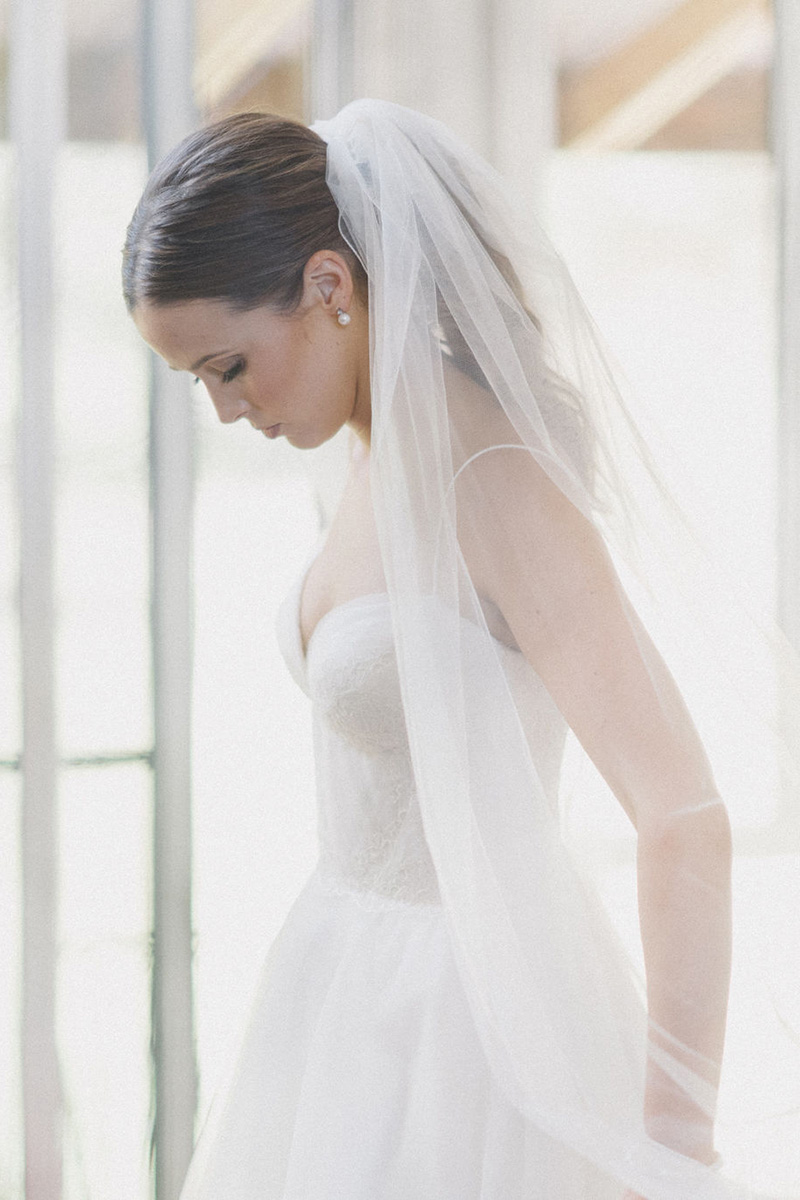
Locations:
column 448, row 1013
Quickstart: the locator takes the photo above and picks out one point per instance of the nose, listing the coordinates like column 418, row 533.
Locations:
column 230, row 408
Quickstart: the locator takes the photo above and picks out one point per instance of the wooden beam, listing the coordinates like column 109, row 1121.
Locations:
column 228, row 54
column 622, row 101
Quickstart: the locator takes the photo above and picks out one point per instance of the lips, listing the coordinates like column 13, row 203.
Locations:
column 272, row 431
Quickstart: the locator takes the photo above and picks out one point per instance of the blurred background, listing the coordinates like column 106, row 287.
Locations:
column 156, row 773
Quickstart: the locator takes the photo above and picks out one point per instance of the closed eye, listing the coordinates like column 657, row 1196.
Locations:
column 233, row 371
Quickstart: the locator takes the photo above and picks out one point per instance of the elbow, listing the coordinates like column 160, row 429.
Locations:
column 701, row 834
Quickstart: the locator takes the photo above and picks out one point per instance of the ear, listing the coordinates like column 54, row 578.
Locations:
column 327, row 280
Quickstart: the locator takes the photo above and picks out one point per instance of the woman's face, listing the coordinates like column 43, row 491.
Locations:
column 304, row 373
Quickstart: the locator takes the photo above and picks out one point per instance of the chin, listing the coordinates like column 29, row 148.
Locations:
column 310, row 441
column 301, row 442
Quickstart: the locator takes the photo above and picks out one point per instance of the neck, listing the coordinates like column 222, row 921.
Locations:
column 360, row 420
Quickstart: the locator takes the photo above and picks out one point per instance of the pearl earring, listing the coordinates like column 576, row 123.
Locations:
column 342, row 317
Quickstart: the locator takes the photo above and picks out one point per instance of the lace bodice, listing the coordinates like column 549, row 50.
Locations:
column 370, row 828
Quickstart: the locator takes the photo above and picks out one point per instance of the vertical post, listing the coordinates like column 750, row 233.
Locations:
column 524, row 95
column 37, row 94
column 785, row 132
column 433, row 57
column 486, row 69
column 785, row 139
column 331, row 85
column 332, row 68
column 168, row 116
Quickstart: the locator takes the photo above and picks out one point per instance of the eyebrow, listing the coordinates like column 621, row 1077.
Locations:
column 196, row 366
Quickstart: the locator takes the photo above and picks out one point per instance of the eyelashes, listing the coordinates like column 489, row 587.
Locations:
column 230, row 374
column 233, row 371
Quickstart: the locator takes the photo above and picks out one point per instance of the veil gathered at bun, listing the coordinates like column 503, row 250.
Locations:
column 494, row 409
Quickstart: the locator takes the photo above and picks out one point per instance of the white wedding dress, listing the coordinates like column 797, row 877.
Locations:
column 360, row 1075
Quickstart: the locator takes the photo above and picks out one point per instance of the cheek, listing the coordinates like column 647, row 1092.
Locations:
column 317, row 380
column 274, row 382
column 307, row 374
column 335, row 372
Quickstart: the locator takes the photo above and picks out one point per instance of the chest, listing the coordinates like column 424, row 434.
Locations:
column 349, row 563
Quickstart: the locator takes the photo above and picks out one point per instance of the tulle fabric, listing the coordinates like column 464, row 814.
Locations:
column 360, row 1075
column 495, row 421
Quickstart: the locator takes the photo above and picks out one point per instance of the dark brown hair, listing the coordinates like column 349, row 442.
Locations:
column 233, row 213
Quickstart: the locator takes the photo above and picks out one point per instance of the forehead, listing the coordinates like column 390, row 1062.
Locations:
column 170, row 324
column 184, row 332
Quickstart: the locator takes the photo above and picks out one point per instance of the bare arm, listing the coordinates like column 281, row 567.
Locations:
column 550, row 573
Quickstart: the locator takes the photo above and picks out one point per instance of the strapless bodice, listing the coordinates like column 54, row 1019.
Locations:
column 370, row 829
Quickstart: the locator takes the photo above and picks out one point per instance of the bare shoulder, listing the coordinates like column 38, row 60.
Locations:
column 510, row 502
column 477, row 420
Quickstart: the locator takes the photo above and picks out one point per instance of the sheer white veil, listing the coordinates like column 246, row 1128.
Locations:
column 496, row 419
